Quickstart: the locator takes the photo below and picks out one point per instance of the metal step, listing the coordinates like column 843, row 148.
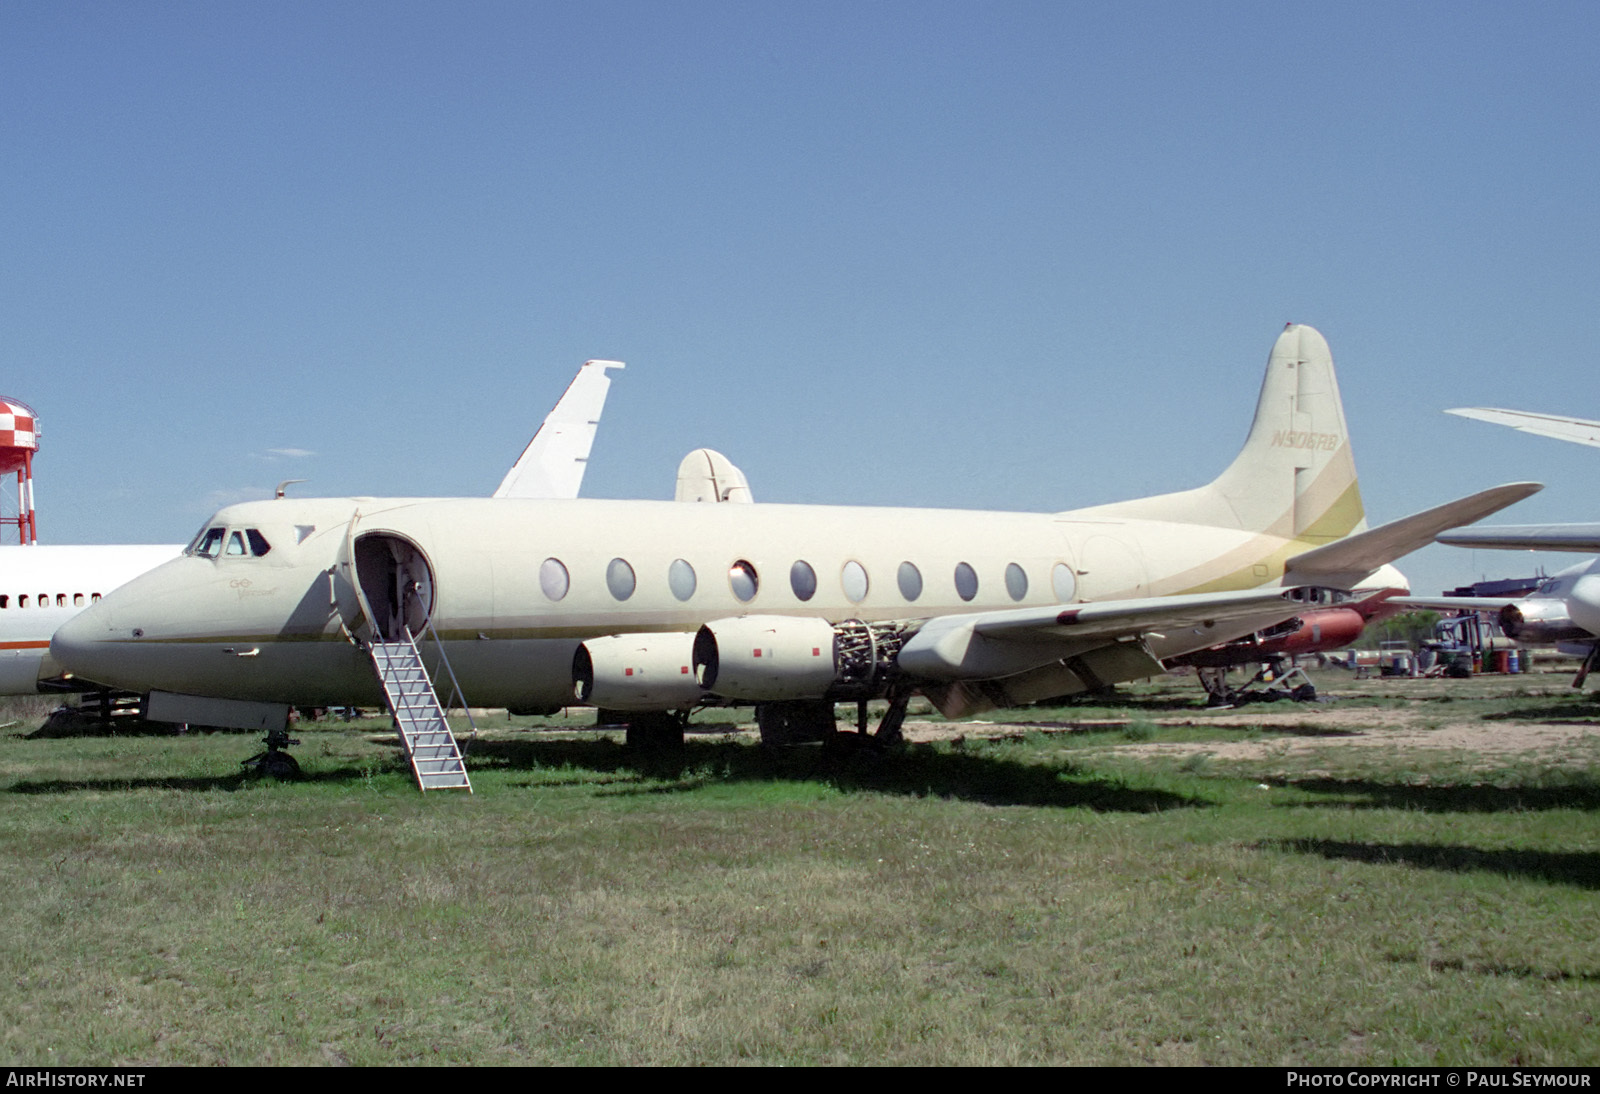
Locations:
column 419, row 717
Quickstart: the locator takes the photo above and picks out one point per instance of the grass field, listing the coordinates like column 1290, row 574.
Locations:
column 1103, row 885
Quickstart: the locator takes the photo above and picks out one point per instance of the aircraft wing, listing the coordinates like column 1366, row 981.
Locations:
column 552, row 465
column 977, row 662
column 1528, row 537
column 1576, row 430
column 1115, row 619
column 1349, row 560
column 1452, row 603
column 993, row 644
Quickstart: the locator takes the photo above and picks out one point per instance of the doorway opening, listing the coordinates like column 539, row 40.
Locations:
column 396, row 583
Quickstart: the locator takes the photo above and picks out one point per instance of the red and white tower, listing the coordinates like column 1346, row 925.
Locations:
column 19, row 440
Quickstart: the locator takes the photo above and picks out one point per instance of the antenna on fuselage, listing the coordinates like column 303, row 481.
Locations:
column 284, row 486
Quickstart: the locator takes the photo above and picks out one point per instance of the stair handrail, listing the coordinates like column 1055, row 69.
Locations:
column 457, row 696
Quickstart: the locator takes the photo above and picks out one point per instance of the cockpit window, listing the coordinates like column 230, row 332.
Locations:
column 209, row 545
column 234, row 543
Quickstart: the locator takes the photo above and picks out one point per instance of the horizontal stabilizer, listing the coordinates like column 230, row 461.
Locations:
column 1528, row 537
column 552, row 465
column 1349, row 560
column 1576, row 430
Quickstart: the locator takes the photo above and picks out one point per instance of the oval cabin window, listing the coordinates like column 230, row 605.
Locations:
column 910, row 580
column 966, row 581
column 1016, row 581
column 681, row 579
column 620, row 579
column 742, row 578
column 1064, row 582
column 553, row 578
column 854, row 580
column 803, row 580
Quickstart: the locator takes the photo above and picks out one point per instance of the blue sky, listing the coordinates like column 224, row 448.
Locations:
column 1002, row 255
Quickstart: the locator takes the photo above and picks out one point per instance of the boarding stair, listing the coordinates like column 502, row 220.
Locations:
column 425, row 732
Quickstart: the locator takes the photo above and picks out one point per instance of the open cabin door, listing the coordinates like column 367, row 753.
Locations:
column 393, row 583
column 393, row 586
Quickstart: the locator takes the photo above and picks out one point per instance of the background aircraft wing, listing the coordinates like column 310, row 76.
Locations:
column 1576, row 430
column 552, row 465
column 1528, row 537
column 1349, row 560
column 1454, row 603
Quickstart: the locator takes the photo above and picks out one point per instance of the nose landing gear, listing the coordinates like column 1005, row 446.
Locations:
column 274, row 761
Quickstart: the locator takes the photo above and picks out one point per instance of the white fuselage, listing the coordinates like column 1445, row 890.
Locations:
column 514, row 586
column 42, row 587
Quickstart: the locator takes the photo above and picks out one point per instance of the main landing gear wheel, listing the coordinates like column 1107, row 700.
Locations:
column 795, row 722
column 656, row 730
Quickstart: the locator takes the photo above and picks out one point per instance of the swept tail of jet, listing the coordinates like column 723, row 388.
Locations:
column 553, row 464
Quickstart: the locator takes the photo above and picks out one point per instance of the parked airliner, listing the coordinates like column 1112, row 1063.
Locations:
column 659, row 607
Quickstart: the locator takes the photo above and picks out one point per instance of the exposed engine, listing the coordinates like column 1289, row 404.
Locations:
column 771, row 657
column 1540, row 621
column 756, row 658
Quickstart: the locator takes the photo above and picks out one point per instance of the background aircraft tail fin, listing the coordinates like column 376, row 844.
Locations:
column 1295, row 476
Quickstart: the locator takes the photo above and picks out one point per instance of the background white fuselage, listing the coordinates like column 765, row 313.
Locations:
column 41, row 587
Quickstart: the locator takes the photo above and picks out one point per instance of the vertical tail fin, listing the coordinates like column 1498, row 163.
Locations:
column 1295, row 476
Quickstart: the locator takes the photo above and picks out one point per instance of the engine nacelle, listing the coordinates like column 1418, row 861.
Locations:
column 1540, row 621
column 636, row 672
column 766, row 658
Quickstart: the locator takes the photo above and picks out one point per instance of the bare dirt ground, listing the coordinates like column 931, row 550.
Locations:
column 1542, row 720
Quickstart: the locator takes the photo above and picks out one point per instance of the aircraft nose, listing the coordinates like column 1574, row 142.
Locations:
column 83, row 644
